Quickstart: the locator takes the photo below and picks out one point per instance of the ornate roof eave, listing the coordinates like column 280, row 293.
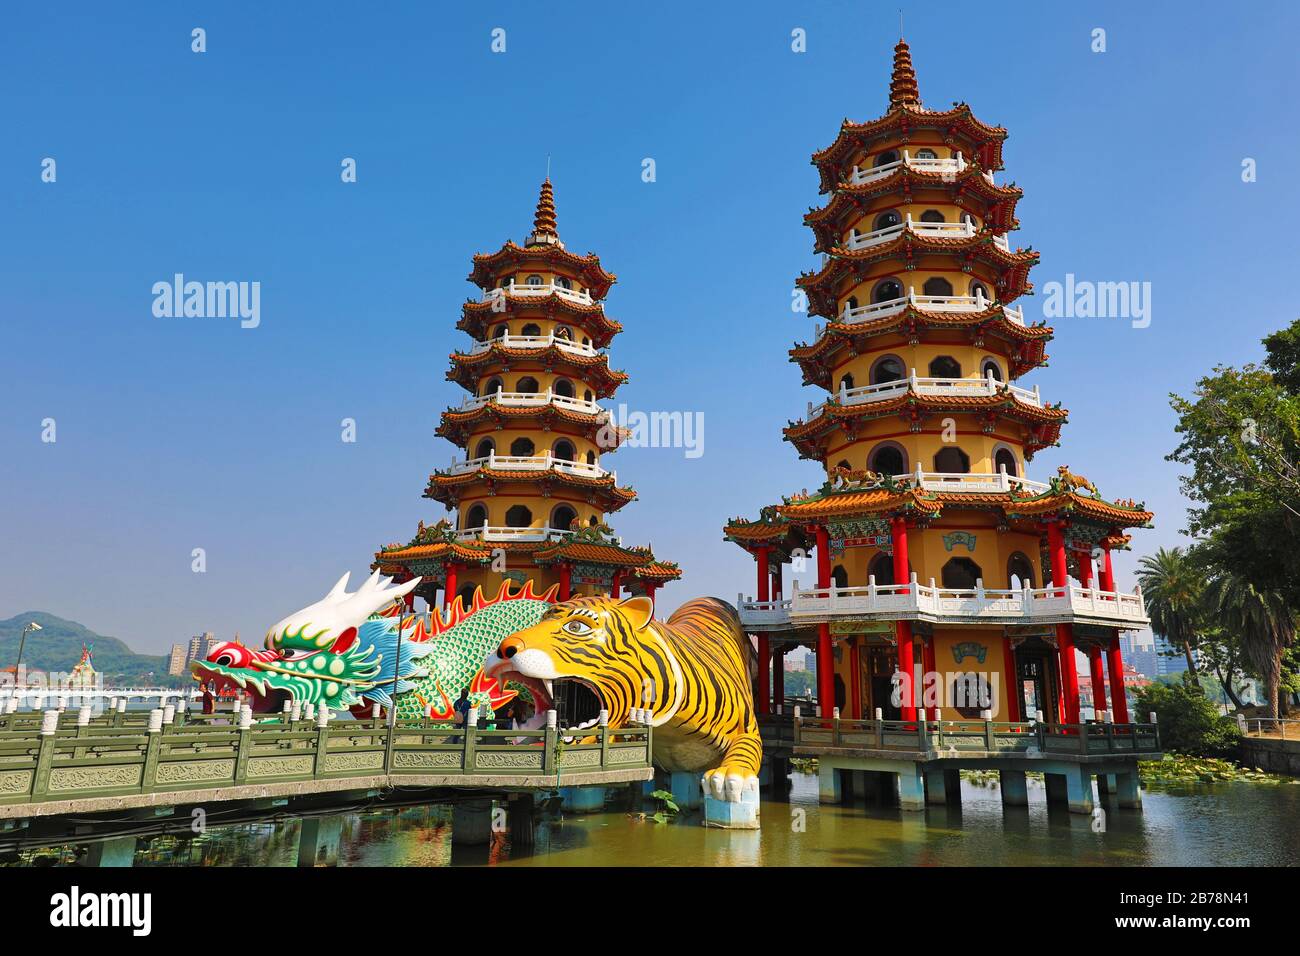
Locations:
column 957, row 121
column 478, row 314
column 588, row 268
column 457, row 424
column 594, row 369
column 443, row 488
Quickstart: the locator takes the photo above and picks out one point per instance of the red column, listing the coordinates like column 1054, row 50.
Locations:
column 898, row 532
column 1013, row 682
column 1118, row 699
column 855, row 664
column 907, row 665
column 566, row 580
column 825, row 657
column 1056, row 546
column 616, row 585
column 762, row 689
column 650, row 588
column 778, row 679
column 1098, row 674
column 1069, row 675
column 764, row 574
column 409, row 601
column 1085, row 569
column 451, row 583
column 1107, row 572
column 928, row 665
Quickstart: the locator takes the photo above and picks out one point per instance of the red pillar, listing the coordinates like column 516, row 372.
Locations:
column 566, row 581
column 1069, row 674
column 1118, row 699
column 855, row 664
column 898, row 532
column 825, row 657
column 451, row 583
column 409, row 601
column 778, row 679
column 1085, row 569
column 928, row 665
column 1056, row 547
column 764, row 574
column 762, row 689
column 1098, row 674
column 650, row 588
column 616, row 585
column 1107, row 572
column 1013, row 682
column 907, row 665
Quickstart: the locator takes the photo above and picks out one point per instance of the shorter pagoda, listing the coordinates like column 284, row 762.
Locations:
column 532, row 492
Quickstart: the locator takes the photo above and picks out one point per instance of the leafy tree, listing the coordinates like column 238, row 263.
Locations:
column 1283, row 359
column 1172, row 586
column 1263, row 623
column 1189, row 723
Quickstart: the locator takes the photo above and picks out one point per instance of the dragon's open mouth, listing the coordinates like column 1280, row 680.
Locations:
column 262, row 697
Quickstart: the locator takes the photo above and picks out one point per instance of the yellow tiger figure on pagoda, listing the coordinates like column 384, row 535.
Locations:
column 690, row 674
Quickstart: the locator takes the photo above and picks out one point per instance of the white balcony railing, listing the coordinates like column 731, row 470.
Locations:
column 581, row 296
column 950, row 166
column 929, row 303
column 534, row 400
column 495, row 533
column 914, row 600
column 545, row 462
column 964, row 229
column 966, row 387
column 536, row 342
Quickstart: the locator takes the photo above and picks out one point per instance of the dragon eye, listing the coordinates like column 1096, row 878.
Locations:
column 577, row 628
column 294, row 654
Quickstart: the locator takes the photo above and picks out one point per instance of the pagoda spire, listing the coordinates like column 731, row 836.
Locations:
column 544, row 229
column 902, row 85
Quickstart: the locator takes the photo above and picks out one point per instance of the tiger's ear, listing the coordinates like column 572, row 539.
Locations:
column 639, row 610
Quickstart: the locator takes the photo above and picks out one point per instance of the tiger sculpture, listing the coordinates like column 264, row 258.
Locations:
column 691, row 672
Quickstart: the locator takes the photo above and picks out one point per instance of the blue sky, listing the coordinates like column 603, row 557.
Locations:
column 175, row 434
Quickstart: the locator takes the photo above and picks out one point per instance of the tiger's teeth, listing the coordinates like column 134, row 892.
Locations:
column 550, row 687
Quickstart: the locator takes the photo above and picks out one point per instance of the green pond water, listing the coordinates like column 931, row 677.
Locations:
column 1220, row 824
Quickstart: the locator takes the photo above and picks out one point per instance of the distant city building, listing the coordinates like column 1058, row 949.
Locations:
column 176, row 661
column 183, row 655
column 1140, row 650
column 1170, row 659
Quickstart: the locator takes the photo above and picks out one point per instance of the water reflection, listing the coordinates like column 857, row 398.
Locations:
column 1211, row 824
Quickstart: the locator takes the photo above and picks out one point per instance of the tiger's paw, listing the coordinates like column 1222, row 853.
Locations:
column 730, row 783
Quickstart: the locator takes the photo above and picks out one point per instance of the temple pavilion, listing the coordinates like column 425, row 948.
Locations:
column 533, row 489
column 936, row 572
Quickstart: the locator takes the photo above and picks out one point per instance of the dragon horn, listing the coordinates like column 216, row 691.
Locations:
column 336, row 593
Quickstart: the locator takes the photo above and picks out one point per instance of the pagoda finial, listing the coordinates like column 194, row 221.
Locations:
column 902, row 85
column 544, row 230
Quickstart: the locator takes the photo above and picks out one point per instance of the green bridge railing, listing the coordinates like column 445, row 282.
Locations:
column 49, row 761
column 941, row 738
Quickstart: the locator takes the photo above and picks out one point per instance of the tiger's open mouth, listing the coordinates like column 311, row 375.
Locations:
column 577, row 702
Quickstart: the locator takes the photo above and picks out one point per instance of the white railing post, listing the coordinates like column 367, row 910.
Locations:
column 920, row 475
column 961, row 163
column 911, row 380
column 871, row 588
column 979, row 590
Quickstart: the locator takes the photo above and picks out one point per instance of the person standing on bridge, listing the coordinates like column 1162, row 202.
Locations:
column 461, row 707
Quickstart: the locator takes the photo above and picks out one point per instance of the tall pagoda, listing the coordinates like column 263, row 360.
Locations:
column 945, row 578
column 532, row 491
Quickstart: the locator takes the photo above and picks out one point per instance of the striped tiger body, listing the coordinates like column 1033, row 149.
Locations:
column 692, row 672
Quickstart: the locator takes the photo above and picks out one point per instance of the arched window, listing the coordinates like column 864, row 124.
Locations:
column 564, row 450
column 501, row 331
column 591, row 457
column 990, row 368
column 528, row 385
column 961, row 573
column 887, row 290
column 564, row 283
column 885, row 158
column 563, row 387
column 587, row 396
column 593, row 521
column 491, row 385
column 518, row 516
column 945, row 366
column 888, row 458
column 534, row 280
column 926, row 154
column 882, row 569
column 564, row 332
column 839, row 576
column 952, row 460
column 476, row 517
column 506, row 282
column 932, row 215
column 978, row 288
column 1020, row 571
column 563, row 517
column 851, row 303
column 887, row 219
column 522, row 447
column 971, row 694
column 532, row 329
column 887, row 368
column 1005, row 458
column 484, row 448
column 846, row 381
column 937, row 285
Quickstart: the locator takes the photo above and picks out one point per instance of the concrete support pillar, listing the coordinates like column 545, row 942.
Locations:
column 522, row 831
column 1070, row 784
column 318, row 841
column 582, row 799
column 1056, row 789
column 1015, row 792
column 942, row 786
column 471, row 823
column 687, row 788
column 911, row 788
column 117, row 852
column 828, row 784
column 732, row 815
column 1130, row 794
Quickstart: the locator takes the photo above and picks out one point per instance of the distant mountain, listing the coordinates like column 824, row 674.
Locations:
column 57, row 647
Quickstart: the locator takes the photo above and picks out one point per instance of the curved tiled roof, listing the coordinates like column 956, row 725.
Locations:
column 594, row 369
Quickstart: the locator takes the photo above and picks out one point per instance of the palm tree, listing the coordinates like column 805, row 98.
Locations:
column 1172, row 585
column 1264, row 623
